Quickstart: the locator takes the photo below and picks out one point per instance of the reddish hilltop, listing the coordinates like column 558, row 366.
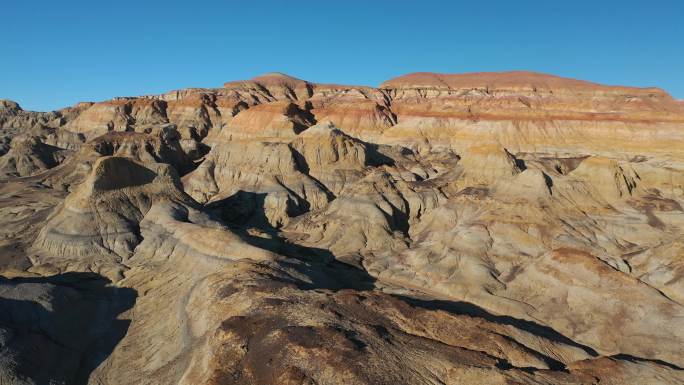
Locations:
column 507, row 80
column 271, row 79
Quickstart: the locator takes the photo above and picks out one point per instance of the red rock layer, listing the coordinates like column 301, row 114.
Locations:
column 523, row 111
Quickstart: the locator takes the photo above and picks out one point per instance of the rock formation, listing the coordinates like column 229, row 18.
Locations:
column 487, row 228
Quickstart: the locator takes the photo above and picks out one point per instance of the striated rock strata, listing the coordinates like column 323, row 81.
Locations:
column 487, row 228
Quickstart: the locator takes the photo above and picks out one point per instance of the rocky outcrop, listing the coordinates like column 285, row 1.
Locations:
column 28, row 155
column 333, row 157
column 164, row 145
column 98, row 223
column 487, row 165
column 488, row 228
column 521, row 111
column 530, row 112
column 613, row 179
column 30, row 142
column 269, row 170
column 119, row 115
column 13, row 116
column 271, row 121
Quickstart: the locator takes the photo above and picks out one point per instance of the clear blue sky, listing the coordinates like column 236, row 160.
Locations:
column 56, row 53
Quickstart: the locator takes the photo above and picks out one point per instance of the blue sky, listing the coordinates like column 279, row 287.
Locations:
column 56, row 53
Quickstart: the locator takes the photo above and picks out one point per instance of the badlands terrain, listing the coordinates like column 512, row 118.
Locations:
column 487, row 228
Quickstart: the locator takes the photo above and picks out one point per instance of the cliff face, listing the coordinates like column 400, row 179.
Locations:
column 522, row 111
column 489, row 228
column 532, row 113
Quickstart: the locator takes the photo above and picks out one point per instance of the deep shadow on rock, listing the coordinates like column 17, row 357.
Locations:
column 466, row 308
column 58, row 329
column 245, row 210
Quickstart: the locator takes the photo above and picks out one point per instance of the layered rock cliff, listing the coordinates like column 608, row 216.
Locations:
column 487, row 228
